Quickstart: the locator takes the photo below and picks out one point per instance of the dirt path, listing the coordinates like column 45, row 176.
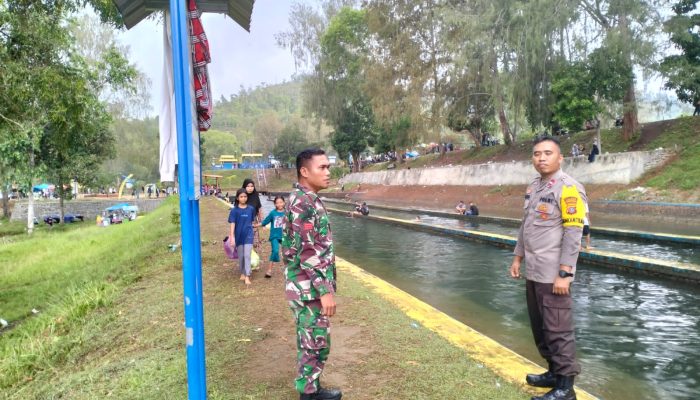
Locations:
column 270, row 361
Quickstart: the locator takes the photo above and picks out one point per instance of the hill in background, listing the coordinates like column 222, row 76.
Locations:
column 247, row 122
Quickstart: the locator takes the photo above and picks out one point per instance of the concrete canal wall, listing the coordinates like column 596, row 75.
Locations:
column 88, row 208
column 669, row 269
column 617, row 168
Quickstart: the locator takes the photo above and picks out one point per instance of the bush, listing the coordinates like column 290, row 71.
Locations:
column 339, row 172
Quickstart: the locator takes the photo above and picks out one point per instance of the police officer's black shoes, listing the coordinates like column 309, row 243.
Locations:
column 322, row 394
column 563, row 390
column 548, row 379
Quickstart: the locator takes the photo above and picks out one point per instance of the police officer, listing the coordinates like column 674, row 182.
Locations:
column 549, row 241
column 307, row 246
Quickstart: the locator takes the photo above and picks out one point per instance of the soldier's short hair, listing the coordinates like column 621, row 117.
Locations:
column 546, row 138
column 305, row 156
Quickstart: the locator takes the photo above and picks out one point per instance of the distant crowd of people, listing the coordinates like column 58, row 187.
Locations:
column 377, row 158
column 212, row 190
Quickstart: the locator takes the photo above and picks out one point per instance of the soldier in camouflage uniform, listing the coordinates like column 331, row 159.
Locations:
column 307, row 247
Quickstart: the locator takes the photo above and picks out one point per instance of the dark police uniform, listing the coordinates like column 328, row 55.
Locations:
column 550, row 236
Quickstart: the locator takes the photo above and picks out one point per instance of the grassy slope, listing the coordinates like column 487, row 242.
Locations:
column 113, row 328
column 66, row 275
column 684, row 171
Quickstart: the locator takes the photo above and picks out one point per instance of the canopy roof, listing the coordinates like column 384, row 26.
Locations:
column 133, row 11
column 121, row 206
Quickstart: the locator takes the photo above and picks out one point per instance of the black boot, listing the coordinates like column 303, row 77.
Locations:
column 548, row 379
column 564, row 390
column 322, row 394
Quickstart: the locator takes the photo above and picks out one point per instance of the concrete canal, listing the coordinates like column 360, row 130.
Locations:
column 638, row 336
column 662, row 251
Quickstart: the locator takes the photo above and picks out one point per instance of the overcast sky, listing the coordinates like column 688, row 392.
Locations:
column 238, row 57
column 247, row 59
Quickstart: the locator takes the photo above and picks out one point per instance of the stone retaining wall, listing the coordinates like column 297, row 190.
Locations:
column 88, row 208
column 687, row 212
column 617, row 168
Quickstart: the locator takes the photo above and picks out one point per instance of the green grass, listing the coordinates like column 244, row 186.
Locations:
column 65, row 274
column 11, row 228
column 15, row 231
column 683, row 172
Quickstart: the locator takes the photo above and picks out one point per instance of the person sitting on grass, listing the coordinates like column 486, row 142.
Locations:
column 461, row 208
column 276, row 217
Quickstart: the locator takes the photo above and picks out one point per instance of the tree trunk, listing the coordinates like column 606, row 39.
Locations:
column 630, row 123
column 6, row 200
column 498, row 97
column 30, row 203
column 597, row 135
column 476, row 135
column 355, row 162
column 505, row 127
column 61, row 194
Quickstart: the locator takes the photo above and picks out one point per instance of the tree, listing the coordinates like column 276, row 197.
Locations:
column 290, row 143
column 407, row 63
column 396, row 136
column 77, row 139
column 354, row 131
column 470, row 103
column 137, row 151
column 338, row 83
column 37, row 58
column 266, row 131
column 574, row 97
column 307, row 26
column 683, row 70
column 629, row 26
column 104, row 57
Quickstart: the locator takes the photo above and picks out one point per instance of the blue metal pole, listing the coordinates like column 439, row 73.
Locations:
column 189, row 206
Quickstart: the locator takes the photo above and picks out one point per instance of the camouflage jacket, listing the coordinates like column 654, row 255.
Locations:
column 307, row 247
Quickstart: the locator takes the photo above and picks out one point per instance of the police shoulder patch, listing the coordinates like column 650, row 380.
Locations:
column 572, row 208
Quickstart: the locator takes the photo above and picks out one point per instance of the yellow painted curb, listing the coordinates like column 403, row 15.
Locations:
column 503, row 361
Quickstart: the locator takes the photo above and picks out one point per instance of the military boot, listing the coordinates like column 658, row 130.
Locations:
column 322, row 394
column 563, row 390
column 548, row 379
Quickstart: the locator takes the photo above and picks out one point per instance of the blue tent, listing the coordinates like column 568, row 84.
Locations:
column 118, row 207
column 39, row 188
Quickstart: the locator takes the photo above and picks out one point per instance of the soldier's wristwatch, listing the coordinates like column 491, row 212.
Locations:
column 564, row 274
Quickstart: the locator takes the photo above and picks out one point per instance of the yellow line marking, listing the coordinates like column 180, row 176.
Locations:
column 503, row 361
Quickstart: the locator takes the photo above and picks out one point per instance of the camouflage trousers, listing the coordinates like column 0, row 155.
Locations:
column 313, row 343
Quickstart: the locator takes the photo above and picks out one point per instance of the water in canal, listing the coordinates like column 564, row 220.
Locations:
column 660, row 251
column 638, row 337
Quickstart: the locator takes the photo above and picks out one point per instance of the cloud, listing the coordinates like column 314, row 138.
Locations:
column 239, row 58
